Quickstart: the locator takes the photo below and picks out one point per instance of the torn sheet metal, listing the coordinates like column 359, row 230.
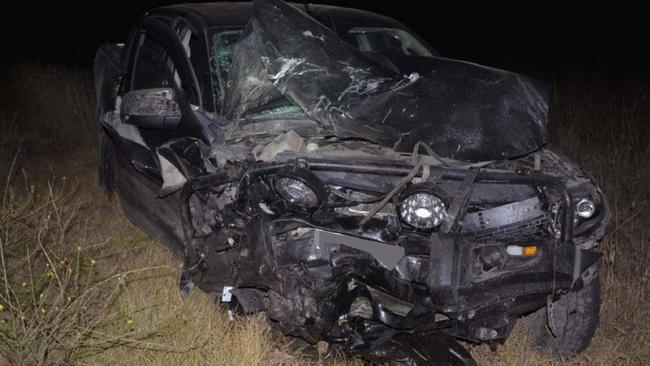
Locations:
column 128, row 132
column 182, row 159
column 463, row 111
column 173, row 180
column 289, row 141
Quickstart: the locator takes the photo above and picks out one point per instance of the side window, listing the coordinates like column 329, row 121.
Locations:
column 153, row 67
column 221, row 49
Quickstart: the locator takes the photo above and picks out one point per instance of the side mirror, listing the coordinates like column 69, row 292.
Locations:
column 151, row 108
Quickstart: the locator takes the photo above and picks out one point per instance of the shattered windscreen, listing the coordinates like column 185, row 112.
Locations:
column 381, row 40
column 385, row 40
column 461, row 110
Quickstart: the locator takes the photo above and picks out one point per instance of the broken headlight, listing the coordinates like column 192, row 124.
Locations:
column 300, row 187
column 585, row 208
column 422, row 210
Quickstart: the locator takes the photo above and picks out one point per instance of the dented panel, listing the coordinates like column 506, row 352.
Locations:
column 308, row 193
column 462, row 110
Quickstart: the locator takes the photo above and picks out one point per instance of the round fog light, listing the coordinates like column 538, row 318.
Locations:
column 422, row 210
column 300, row 187
column 491, row 257
column 585, row 208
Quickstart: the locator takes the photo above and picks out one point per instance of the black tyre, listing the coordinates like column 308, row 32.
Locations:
column 107, row 164
column 567, row 328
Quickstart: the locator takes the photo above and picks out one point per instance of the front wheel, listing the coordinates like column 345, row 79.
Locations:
column 566, row 327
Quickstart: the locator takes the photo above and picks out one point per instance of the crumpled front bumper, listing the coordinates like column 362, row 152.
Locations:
column 311, row 268
column 462, row 288
column 327, row 276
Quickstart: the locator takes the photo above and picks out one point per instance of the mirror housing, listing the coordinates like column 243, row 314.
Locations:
column 151, row 108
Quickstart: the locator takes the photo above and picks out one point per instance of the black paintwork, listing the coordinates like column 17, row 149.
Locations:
column 314, row 292
column 463, row 111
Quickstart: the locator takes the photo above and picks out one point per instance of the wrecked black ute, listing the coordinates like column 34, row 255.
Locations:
column 328, row 167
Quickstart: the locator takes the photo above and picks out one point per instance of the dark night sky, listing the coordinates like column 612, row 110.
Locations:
column 527, row 38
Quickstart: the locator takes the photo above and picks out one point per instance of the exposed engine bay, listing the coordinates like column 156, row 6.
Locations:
column 334, row 251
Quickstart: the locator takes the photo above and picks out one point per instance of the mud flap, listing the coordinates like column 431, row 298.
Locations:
column 433, row 348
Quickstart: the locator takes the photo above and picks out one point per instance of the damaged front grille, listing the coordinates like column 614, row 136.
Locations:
column 535, row 228
column 514, row 221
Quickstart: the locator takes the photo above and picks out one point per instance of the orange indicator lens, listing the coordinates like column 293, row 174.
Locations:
column 530, row 250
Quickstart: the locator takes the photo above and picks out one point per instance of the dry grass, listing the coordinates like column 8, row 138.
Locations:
column 81, row 285
column 124, row 306
column 46, row 108
column 52, row 295
column 165, row 329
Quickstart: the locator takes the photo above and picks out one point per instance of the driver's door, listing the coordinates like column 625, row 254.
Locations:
column 155, row 94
